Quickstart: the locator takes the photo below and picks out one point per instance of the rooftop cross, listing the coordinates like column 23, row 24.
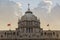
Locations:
column 28, row 6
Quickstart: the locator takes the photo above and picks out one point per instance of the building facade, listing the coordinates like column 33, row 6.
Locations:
column 29, row 29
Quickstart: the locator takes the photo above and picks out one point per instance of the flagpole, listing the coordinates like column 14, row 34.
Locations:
column 48, row 26
column 9, row 25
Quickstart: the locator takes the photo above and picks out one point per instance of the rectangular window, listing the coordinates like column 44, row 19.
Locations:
column 29, row 30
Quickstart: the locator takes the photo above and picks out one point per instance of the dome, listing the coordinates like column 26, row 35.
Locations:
column 29, row 20
column 28, row 16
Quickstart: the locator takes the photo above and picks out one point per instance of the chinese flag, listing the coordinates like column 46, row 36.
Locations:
column 8, row 24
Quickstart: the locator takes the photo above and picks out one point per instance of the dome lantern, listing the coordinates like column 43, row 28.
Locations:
column 28, row 11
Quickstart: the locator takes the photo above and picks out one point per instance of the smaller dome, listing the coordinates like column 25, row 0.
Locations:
column 28, row 12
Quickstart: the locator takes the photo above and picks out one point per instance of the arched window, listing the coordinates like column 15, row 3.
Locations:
column 57, row 35
column 5, row 33
column 13, row 33
column 1, row 35
column 53, row 33
column 17, row 33
column 45, row 33
column 41, row 34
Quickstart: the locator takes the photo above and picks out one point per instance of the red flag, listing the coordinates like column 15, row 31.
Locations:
column 47, row 24
column 8, row 24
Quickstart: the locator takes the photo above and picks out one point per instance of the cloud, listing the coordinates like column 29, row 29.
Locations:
column 19, row 4
column 53, row 18
column 49, row 5
column 19, row 13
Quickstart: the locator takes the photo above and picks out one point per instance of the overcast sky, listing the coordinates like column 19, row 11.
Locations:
column 10, row 10
column 34, row 3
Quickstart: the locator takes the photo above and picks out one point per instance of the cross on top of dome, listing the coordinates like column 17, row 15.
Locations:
column 28, row 6
column 28, row 11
